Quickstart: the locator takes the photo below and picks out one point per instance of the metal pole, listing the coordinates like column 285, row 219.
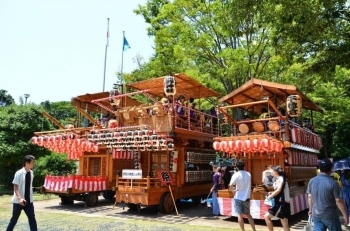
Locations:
column 121, row 69
column 104, row 71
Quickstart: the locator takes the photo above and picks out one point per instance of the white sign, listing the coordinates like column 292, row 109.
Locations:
column 132, row 173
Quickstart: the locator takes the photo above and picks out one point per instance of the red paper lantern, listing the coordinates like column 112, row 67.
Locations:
column 239, row 145
column 264, row 144
column 247, row 145
column 231, row 146
column 255, row 145
column 95, row 148
column 216, row 145
column 88, row 146
column 34, row 140
column 223, row 146
column 277, row 147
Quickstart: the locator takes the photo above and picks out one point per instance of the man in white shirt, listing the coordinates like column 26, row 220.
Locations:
column 23, row 194
column 242, row 181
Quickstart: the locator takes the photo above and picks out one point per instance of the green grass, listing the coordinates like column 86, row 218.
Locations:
column 49, row 221
column 37, row 197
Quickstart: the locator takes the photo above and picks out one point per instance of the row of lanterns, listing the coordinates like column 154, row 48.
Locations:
column 63, row 143
column 254, row 145
column 131, row 140
column 74, row 147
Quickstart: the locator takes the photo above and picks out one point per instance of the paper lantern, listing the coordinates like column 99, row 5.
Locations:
column 231, row 146
column 216, row 145
column 246, row 146
column 34, row 140
column 223, row 146
column 294, row 105
column 255, row 145
column 169, row 85
column 239, row 145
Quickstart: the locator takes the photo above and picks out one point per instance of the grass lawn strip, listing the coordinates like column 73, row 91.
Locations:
column 62, row 222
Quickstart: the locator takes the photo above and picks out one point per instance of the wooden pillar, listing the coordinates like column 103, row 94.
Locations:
column 148, row 185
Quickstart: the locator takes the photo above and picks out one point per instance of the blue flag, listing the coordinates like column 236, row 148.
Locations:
column 125, row 44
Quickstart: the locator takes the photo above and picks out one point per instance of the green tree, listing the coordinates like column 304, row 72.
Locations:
column 55, row 164
column 17, row 127
column 63, row 111
column 5, row 99
column 221, row 43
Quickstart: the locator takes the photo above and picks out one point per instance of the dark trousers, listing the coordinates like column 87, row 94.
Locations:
column 29, row 211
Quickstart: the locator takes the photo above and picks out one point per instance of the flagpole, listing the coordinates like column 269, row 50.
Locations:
column 121, row 70
column 107, row 44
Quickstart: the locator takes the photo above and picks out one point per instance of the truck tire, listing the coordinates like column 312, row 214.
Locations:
column 66, row 200
column 196, row 200
column 109, row 195
column 131, row 206
column 91, row 199
column 166, row 204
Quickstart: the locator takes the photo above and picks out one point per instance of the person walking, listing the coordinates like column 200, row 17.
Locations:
column 345, row 182
column 323, row 197
column 23, row 194
column 214, row 190
column 281, row 195
column 242, row 182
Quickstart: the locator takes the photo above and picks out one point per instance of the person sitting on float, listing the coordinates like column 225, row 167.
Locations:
column 213, row 117
column 166, row 102
column 283, row 113
column 180, row 103
column 264, row 114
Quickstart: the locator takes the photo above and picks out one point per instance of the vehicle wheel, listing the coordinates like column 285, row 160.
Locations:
column 166, row 204
column 66, row 200
column 196, row 200
column 131, row 206
column 109, row 195
column 91, row 199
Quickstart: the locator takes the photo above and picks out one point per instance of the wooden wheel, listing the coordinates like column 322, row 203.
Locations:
column 91, row 199
column 131, row 206
column 166, row 204
column 196, row 200
column 66, row 200
column 109, row 195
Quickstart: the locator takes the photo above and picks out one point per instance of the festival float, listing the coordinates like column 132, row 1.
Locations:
column 146, row 154
column 97, row 164
column 283, row 136
column 171, row 150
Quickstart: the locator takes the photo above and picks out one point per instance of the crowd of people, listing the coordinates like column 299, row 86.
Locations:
column 239, row 181
column 325, row 196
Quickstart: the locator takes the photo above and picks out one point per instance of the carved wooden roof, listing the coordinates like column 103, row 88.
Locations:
column 185, row 85
column 256, row 89
column 84, row 101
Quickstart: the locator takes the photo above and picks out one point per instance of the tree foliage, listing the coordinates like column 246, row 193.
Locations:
column 224, row 43
column 62, row 111
column 55, row 164
column 17, row 126
column 5, row 99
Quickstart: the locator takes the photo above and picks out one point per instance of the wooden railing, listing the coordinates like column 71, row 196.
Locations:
column 138, row 184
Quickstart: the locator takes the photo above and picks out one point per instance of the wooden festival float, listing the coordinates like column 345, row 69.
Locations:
column 277, row 139
column 171, row 152
column 97, row 166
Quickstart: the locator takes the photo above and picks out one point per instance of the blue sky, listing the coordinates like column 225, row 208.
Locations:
column 54, row 50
